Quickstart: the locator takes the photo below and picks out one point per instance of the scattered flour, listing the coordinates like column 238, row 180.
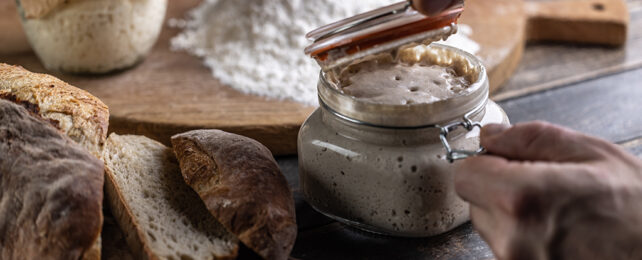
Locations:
column 256, row 46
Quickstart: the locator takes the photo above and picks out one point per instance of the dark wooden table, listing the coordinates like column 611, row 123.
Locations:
column 592, row 89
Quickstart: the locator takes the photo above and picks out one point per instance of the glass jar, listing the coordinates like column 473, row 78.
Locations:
column 388, row 168
column 94, row 37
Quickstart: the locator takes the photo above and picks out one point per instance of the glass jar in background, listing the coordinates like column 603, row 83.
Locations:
column 385, row 168
column 96, row 36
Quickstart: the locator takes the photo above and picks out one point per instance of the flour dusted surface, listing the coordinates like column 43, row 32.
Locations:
column 256, row 46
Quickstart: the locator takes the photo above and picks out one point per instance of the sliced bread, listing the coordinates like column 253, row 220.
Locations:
column 50, row 190
column 242, row 187
column 161, row 215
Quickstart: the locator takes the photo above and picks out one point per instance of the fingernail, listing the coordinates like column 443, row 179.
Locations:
column 493, row 130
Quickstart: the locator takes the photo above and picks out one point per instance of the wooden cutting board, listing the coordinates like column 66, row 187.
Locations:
column 172, row 92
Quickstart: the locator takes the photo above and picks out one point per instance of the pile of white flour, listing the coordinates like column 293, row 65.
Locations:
column 256, row 46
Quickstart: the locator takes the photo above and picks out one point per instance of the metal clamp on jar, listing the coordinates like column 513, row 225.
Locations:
column 387, row 168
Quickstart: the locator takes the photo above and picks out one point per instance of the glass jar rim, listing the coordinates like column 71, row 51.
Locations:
column 470, row 101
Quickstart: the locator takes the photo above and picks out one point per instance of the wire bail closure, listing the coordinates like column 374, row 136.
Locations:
column 453, row 155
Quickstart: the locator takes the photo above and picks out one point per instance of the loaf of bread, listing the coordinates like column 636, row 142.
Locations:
column 50, row 190
column 74, row 111
column 242, row 187
column 162, row 216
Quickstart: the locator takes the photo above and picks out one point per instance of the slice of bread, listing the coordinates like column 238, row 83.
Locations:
column 243, row 188
column 161, row 215
column 50, row 190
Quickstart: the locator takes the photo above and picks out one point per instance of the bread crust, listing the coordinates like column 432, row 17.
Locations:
column 242, row 186
column 78, row 114
column 50, row 190
column 123, row 213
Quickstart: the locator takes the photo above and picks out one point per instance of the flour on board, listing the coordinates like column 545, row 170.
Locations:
column 256, row 46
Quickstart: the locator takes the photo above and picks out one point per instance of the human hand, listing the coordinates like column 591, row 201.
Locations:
column 545, row 192
column 433, row 7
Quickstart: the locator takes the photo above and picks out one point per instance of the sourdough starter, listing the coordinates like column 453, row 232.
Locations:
column 388, row 181
column 401, row 84
column 391, row 180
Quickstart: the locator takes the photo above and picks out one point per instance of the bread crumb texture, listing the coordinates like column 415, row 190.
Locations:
column 169, row 219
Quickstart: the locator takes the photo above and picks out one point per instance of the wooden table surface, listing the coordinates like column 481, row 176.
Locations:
column 592, row 89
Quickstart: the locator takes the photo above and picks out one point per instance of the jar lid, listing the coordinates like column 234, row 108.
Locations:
column 378, row 30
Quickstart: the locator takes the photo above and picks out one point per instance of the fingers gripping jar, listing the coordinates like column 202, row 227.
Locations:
column 382, row 161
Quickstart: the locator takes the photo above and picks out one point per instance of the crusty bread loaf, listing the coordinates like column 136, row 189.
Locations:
column 50, row 190
column 163, row 217
column 74, row 111
column 81, row 116
column 242, row 187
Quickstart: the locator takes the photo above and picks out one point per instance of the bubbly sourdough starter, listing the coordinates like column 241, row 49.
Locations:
column 395, row 182
column 391, row 181
column 401, row 84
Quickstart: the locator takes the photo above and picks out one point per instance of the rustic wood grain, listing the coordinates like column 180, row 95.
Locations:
column 499, row 27
column 582, row 21
column 608, row 107
column 550, row 65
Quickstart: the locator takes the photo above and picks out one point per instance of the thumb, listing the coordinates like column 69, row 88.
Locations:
column 537, row 141
column 433, row 7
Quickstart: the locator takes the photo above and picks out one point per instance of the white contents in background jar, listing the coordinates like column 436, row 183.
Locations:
column 92, row 36
column 379, row 154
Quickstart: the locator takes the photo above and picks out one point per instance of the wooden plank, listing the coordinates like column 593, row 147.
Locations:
column 547, row 66
column 337, row 241
column 608, row 107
